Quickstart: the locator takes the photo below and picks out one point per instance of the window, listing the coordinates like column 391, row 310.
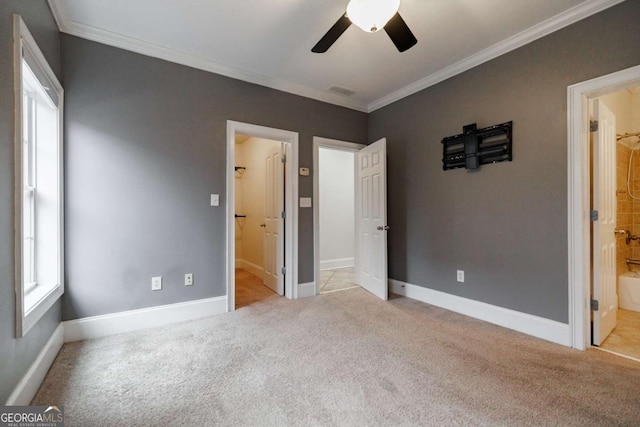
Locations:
column 39, row 185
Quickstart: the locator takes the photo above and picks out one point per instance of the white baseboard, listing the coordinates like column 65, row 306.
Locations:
column 29, row 384
column 127, row 321
column 330, row 264
column 539, row 327
column 252, row 268
column 306, row 290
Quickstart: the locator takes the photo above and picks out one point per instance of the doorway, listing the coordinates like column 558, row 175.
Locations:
column 259, row 225
column 279, row 149
column 336, row 219
column 589, row 236
column 615, row 183
column 370, row 228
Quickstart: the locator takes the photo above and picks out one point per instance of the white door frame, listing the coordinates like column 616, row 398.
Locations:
column 290, row 197
column 333, row 144
column 578, row 175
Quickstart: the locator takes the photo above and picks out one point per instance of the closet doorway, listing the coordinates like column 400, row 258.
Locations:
column 279, row 165
column 259, row 223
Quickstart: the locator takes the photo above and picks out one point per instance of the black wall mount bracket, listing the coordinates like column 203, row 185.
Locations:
column 475, row 147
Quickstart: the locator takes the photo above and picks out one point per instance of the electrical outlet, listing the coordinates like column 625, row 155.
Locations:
column 156, row 283
column 188, row 279
column 460, row 275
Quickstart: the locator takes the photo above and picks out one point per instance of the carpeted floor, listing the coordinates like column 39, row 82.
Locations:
column 343, row 358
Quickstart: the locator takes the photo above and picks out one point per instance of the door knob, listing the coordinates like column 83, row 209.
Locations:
column 383, row 227
column 263, row 225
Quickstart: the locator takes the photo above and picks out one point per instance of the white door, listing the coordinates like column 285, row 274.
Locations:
column 604, row 238
column 371, row 218
column 273, row 221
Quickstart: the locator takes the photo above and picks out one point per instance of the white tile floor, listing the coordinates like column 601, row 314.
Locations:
column 337, row 279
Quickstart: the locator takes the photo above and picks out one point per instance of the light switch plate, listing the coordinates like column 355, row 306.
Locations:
column 305, row 202
column 304, row 171
column 215, row 200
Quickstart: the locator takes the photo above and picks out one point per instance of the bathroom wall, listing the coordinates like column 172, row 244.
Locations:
column 633, row 127
column 337, row 208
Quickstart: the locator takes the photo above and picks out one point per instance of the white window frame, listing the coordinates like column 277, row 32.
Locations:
column 42, row 296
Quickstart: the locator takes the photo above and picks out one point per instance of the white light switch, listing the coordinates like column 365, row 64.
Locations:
column 305, row 202
column 304, row 171
column 215, row 200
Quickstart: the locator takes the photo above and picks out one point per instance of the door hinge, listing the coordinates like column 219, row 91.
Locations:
column 595, row 306
column 593, row 126
column 284, row 270
column 593, row 215
column 284, row 158
column 283, row 214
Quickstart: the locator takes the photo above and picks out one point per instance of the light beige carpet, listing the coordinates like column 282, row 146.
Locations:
column 343, row 358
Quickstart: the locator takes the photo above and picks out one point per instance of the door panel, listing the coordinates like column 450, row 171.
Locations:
column 273, row 221
column 371, row 218
column 604, row 240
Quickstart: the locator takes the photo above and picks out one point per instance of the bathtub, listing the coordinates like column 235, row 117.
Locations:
column 629, row 291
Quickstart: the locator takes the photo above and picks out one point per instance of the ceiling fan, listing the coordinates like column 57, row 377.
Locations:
column 371, row 16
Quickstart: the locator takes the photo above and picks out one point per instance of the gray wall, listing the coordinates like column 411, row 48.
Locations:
column 505, row 225
column 145, row 146
column 16, row 355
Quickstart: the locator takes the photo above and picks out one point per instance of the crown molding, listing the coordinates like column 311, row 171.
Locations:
column 529, row 35
column 131, row 44
column 555, row 23
column 59, row 11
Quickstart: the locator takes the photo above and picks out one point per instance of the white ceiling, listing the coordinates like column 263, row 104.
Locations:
column 269, row 42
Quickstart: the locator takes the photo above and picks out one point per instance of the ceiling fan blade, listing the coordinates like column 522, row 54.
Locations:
column 332, row 35
column 399, row 33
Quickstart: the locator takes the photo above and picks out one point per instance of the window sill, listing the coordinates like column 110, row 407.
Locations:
column 37, row 303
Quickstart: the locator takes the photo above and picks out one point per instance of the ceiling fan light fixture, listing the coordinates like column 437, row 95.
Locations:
column 372, row 15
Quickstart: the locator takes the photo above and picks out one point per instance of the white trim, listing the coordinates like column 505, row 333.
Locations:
column 58, row 8
column 28, row 386
column 555, row 23
column 252, row 268
column 578, row 178
column 60, row 14
column 330, row 264
column 134, row 320
column 306, row 289
column 635, row 359
column 333, row 144
column 544, row 28
column 536, row 326
column 290, row 139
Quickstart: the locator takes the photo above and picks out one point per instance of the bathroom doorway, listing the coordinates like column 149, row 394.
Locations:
column 334, row 215
column 615, row 207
